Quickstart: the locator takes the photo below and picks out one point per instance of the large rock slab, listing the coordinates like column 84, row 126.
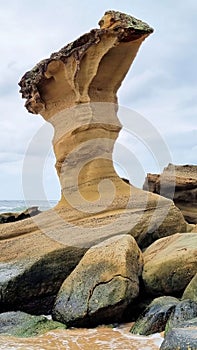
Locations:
column 102, row 285
column 32, row 269
column 180, row 183
column 170, row 263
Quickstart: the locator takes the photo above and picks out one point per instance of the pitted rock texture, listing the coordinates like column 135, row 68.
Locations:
column 75, row 89
column 82, row 67
column 178, row 182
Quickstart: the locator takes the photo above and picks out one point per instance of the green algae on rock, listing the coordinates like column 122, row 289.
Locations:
column 21, row 324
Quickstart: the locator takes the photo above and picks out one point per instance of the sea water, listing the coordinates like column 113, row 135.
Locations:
column 100, row 338
column 16, row 206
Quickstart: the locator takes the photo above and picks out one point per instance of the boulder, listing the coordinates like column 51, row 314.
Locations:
column 21, row 324
column 155, row 316
column 180, row 339
column 180, row 183
column 170, row 263
column 185, row 310
column 190, row 291
column 102, row 285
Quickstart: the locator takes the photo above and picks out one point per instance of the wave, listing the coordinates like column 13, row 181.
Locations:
column 15, row 206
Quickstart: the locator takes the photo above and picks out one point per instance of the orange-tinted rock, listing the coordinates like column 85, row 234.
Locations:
column 75, row 90
column 178, row 182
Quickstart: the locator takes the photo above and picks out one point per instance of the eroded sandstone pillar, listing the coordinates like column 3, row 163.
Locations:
column 75, row 90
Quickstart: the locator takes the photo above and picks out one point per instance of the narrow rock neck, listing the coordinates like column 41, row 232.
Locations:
column 75, row 90
column 83, row 143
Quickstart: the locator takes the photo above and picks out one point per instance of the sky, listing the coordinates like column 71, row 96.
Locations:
column 160, row 88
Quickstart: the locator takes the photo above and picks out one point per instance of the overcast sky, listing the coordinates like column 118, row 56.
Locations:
column 161, row 85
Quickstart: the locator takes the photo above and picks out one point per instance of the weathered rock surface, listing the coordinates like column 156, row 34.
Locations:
column 190, row 291
column 184, row 311
column 170, row 263
column 32, row 269
column 181, row 328
column 20, row 324
column 11, row 217
column 102, row 285
column 180, row 183
column 75, row 90
column 155, row 317
column 180, row 339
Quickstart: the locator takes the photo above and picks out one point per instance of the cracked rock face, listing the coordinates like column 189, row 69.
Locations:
column 102, row 285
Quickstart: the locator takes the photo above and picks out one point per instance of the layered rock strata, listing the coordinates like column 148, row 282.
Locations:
column 178, row 182
column 75, row 90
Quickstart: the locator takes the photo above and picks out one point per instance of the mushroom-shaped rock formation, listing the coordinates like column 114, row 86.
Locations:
column 75, row 90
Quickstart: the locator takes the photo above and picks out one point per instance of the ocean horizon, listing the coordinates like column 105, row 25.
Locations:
column 19, row 205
